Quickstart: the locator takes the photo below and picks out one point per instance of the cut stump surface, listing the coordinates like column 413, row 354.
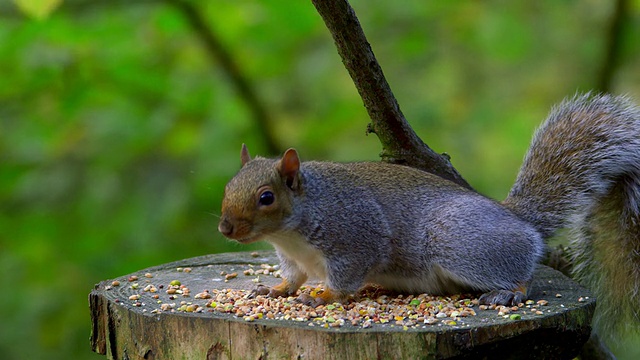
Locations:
column 128, row 327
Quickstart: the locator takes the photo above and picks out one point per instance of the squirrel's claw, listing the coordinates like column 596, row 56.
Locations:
column 265, row 291
column 502, row 297
column 259, row 290
column 310, row 300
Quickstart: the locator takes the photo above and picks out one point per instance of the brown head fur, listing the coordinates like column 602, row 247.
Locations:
column 258, row 198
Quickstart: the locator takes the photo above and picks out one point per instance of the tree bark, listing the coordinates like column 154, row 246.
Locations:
column 400, row 144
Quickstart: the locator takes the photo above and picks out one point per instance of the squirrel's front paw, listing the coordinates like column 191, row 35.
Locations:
column 310, row 300
column 328, row 296
column 502, row 297
column 267, row 291
column 259, row 290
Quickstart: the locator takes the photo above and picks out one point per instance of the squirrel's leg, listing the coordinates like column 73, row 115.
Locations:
column 506, row 297
column 292, row 279
column 343, row 279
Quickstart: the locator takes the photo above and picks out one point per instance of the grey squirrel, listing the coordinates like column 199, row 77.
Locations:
column 349, row 224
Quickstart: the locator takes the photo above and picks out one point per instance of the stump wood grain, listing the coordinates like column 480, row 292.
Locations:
column 126, row 329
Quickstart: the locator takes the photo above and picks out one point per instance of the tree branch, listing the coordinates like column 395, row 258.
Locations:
column 400, row 144
column 613, row 45
column 219, row 53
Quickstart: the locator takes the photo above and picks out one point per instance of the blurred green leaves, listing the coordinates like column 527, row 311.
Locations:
column 118, row 132
column 38, row 9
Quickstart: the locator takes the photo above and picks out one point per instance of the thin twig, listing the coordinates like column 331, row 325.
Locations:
column 219, row 53
column 613, row 46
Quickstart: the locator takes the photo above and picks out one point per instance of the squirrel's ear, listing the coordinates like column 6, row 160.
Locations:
column 244, row 155
column 288, row 167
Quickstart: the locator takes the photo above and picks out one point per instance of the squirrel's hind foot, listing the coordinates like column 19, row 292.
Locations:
column 503, row 297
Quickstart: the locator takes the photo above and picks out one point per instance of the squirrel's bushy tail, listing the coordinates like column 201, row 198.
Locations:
column 582, row 172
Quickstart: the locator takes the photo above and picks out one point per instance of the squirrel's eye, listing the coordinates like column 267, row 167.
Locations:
column 267, row 198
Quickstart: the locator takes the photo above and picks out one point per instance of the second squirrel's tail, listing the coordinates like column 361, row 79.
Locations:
column 582, row 172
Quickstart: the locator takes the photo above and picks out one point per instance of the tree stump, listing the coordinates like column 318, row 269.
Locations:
column 127, row 327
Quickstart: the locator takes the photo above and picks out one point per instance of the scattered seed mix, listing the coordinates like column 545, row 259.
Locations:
column 373, row 306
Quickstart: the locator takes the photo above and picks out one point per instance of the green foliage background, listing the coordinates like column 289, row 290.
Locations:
column 118, row 131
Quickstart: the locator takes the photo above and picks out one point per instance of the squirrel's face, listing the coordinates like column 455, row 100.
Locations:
column 256, row 202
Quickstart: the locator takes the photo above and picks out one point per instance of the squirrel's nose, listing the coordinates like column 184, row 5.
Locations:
column 225, row 227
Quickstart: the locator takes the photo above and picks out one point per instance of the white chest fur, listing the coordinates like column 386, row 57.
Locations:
column 297, row 249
